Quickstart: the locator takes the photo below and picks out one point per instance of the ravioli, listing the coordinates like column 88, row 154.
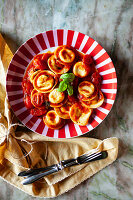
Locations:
column 57, row 67
column 53, row 121
column 64, row 110
column 65, row 54
column 80, row 91
column 96, row 102
column 38, row 99
column 33, row 92
column 33, row 74
column 87, row 91
column 80, row 69
column 86, row 88
column 79, row 114
column 45, row 81
column 56, row 98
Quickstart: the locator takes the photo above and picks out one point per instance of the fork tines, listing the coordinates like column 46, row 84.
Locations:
column 86, row 158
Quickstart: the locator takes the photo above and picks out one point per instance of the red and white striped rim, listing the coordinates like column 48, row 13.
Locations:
column 46, row 40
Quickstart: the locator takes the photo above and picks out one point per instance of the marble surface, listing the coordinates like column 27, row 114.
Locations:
column 109, row 22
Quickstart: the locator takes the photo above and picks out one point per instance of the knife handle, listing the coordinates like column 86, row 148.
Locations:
column 36, row 177
column 32, row 172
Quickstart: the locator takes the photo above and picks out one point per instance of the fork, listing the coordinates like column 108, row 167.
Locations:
column 36, row 174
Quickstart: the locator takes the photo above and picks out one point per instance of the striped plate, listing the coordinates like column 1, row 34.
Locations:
column 42, row 42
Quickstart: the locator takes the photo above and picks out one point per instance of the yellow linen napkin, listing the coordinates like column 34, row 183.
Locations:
column 43, row 151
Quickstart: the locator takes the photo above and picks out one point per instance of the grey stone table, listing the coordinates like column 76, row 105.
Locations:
column 109, row 22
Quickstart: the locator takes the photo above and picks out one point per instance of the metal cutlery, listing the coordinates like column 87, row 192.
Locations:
column 36, row 174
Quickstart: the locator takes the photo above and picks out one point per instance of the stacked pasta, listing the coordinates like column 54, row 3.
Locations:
column 62, row 85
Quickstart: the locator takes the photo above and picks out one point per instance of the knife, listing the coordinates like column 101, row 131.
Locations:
column 36, row 174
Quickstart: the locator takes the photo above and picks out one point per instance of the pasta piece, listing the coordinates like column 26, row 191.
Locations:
column 86, row 88
column 40, row 87
column 33, row 92
column 45, row 81
column 80, row 114
column 87, row 91
column 56, row 98
column 63, row 111
column 96, row 102
column 65, row 54
column 84, row 98
column 33, row 74
column 80, row 69
column 57, row 67
column 39, row 100
column 53, row 121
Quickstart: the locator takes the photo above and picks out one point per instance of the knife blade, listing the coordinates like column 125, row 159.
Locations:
column 36, row 174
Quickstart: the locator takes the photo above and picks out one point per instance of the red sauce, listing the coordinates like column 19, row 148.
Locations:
column 67, row 107
column 38, row 112
column 39, row 60
column 96, row 79
column 38, row 102
column 52, row 116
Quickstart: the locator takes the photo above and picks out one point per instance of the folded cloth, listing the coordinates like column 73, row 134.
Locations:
column 21, row 149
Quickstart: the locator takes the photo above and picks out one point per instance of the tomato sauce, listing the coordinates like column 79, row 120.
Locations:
column 37, row 100
column 39, row 62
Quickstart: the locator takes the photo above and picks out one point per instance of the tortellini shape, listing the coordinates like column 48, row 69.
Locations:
column 64, row 110
column 33, row 74
column 86, row 88
column 65, row 54
column 45, row 81
column 56, row 98
column 38, row 98
column 80, row 114
column 80, row 69
column 53, row 121
column 96, row 102
column 87, row 91
column 33, row 92
column 57, row 67
column 44, row 72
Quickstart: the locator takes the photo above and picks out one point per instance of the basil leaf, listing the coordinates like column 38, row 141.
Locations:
column 70, row 89
column 62, row 86
column 68, row 80
column 68, row 76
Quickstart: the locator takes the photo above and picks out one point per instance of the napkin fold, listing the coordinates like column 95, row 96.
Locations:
column 21, row 149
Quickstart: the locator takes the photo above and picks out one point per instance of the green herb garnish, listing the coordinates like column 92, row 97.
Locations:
column 70, row 89
column 68, row 76
column 65, row 84
column 62, row 86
